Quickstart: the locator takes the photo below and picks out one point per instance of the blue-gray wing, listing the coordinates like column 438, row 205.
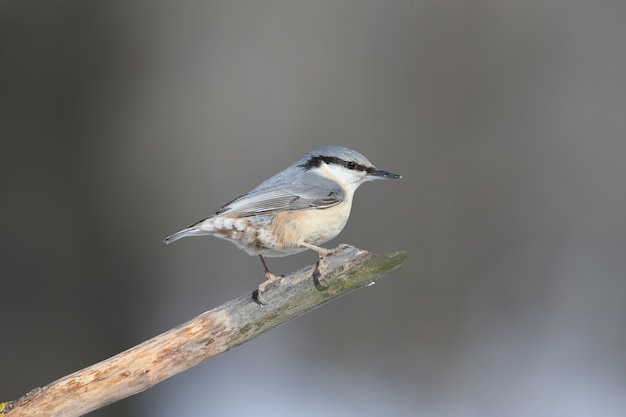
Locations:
column 260, row 201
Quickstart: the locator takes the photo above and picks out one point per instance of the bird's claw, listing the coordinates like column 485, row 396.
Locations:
column 270, row 281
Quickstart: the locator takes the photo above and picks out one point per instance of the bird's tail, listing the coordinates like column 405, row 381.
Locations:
column 193, row 230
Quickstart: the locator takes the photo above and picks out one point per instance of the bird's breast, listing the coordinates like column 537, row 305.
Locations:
column 314, row 226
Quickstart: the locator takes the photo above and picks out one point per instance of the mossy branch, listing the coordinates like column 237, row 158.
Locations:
column 205, row 336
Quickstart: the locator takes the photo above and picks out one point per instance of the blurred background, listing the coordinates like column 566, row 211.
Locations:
column 124, row 121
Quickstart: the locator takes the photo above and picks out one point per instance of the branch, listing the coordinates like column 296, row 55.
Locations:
column 205, row 336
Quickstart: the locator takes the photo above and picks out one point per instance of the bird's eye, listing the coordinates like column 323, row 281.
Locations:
column 351, row 165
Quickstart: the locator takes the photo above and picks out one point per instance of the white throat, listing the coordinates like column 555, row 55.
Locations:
column 348, row 180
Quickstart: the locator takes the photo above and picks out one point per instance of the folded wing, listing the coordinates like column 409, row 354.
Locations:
column 281, row 199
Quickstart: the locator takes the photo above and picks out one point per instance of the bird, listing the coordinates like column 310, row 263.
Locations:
column 300, row 208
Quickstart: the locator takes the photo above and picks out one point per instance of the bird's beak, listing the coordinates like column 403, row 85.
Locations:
column 379, row 174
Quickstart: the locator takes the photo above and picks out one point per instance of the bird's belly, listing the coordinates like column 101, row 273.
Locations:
column 288, row 230
column 320, row 226
column 283, row 233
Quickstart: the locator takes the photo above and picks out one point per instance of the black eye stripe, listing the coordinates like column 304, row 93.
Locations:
column 316, row 161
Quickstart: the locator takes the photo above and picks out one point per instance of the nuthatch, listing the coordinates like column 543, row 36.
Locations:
column 297, row 209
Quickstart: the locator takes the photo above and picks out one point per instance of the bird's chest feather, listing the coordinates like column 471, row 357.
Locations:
column 290, row 229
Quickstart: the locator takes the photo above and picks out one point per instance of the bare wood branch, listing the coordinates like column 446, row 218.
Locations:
column 203, row 337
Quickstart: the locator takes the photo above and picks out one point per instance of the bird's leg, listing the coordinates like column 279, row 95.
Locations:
column 322, row 252
column 269, row 277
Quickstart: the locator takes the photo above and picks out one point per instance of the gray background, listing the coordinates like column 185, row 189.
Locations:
column 122, row 122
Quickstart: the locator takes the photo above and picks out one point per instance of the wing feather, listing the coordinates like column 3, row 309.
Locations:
column 262, row 201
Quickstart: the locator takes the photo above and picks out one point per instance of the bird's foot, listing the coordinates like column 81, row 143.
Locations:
column 322, row 270
column 271, row 280
column 323, row 252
